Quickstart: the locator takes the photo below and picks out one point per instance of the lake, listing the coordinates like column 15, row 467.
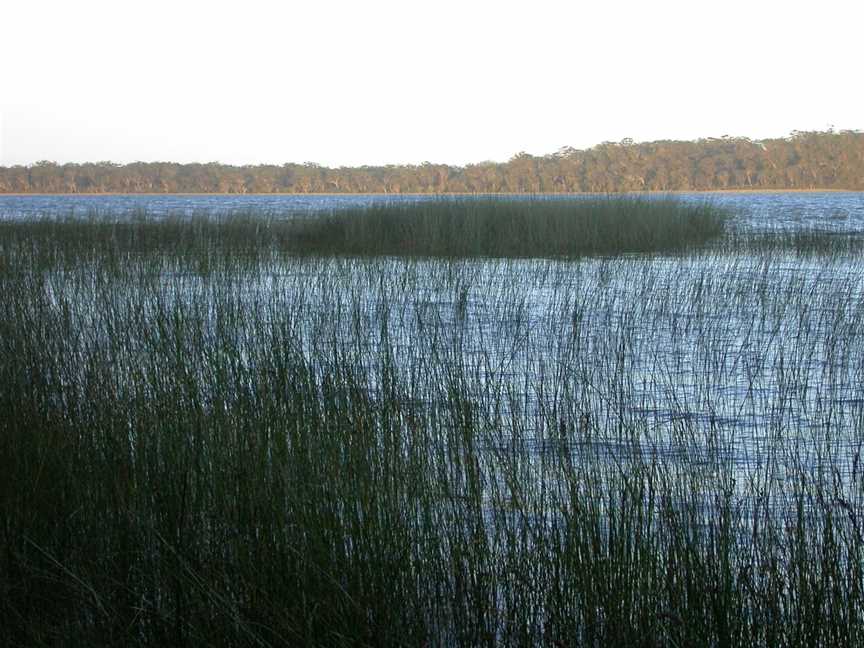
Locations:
column 839, row 211
column 735, row 348
column 589, row 448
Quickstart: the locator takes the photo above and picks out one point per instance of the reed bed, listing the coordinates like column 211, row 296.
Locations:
column 433, row 228
column 801, row 241
column 445, row 227
column 513, row 228
column 267, row 449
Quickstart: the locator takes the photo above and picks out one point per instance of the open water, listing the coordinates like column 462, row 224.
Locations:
column 836, row 211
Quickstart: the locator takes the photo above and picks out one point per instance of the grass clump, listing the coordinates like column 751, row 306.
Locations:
column 513, row 228
column 449, row 228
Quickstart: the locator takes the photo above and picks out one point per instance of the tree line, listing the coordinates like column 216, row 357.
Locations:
column 804, row 160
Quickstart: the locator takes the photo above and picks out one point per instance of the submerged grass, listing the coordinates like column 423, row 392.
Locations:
column 297, row 450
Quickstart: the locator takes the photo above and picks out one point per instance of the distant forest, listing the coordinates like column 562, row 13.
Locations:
column 804, row 160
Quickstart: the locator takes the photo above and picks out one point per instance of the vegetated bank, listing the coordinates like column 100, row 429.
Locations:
column 803, row 161
column 204, row 440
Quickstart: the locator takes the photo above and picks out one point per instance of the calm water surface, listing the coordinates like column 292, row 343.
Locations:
column 840, row 211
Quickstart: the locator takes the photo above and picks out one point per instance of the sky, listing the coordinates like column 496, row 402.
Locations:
column 404, row 82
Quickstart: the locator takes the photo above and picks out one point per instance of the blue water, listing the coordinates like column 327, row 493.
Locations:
column 749, row 361
column 836, row 211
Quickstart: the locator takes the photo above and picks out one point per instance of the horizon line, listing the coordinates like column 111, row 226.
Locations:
column 568, row 149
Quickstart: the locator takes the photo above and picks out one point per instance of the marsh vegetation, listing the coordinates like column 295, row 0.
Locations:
column 262, row 432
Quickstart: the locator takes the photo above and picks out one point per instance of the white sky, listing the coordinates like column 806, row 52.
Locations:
column 381, row 81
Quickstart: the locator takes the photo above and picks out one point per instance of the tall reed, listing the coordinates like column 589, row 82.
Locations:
column 274, row 449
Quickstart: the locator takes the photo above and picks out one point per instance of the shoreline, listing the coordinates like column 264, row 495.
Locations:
column 408, row 193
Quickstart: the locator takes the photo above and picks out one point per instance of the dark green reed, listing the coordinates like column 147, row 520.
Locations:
column 514, row 228
column 205, row 440
column 446, row 227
